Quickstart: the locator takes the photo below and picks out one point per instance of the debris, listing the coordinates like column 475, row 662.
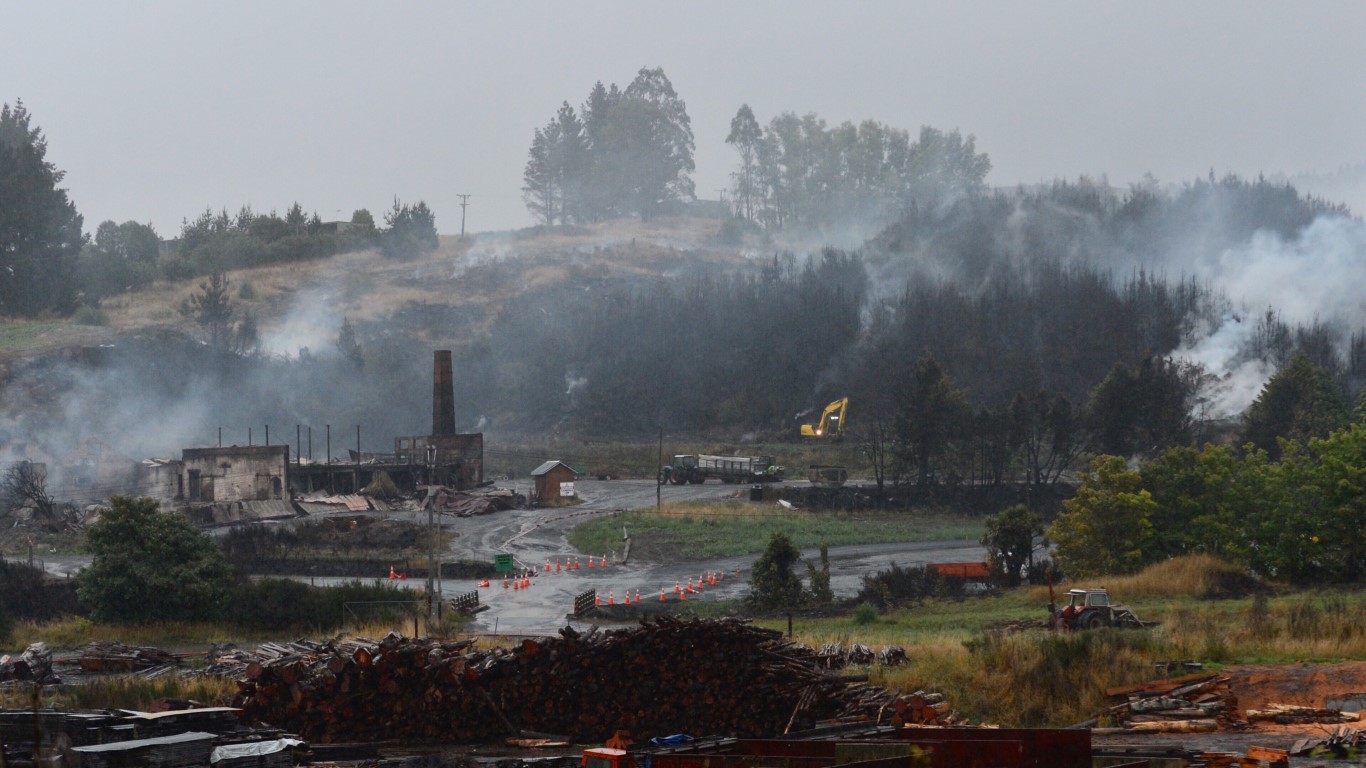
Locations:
column 1192, row 703
column 1288, row 714
column 113, row 656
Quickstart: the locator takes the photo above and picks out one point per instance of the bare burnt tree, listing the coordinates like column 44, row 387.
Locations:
column 25, row 485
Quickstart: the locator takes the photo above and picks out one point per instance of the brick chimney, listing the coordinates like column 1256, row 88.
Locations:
column 443, row 394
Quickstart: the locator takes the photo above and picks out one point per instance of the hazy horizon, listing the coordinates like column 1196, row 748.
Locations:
column 157, row 111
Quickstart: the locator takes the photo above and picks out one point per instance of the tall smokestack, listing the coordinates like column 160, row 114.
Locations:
column 443, row 394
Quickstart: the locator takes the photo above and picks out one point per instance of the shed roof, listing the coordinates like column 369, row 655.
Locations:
column 549, row 465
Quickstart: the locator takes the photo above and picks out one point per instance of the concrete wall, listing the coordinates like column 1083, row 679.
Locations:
column 235, row 473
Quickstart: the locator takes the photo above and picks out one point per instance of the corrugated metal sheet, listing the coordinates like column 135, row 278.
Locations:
column 351, row 501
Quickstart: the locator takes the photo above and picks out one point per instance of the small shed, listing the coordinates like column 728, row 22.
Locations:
column 554, row 482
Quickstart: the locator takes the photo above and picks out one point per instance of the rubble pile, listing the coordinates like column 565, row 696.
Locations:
column 1193, row 703
column 33, row 665
column 665, row 676
column 449, row 501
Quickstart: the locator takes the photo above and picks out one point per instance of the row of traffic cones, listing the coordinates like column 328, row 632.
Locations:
column 574, row 565
column 612, row 598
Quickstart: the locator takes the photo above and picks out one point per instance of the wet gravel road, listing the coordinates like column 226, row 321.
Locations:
column 534, row 535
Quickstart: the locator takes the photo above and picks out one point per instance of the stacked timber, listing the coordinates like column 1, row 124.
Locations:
column 1294, row 714
column 1188, row 704
column 113, row 656
column 924, row 708
column 665, row 676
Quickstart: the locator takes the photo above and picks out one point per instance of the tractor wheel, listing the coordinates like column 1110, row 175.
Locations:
column 700, row 479
column 1092, row 620
column 677, row 479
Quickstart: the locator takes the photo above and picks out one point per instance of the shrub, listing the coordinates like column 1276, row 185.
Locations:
column 149, row 566
column 90, row 315
column 285, row 604
column 865, row 614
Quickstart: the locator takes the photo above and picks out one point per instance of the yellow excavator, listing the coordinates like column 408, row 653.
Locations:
column 830, row 427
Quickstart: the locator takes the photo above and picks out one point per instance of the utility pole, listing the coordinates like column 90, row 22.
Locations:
column 464, row 201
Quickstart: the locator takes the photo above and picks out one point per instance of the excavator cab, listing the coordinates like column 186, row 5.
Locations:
column 831, row 424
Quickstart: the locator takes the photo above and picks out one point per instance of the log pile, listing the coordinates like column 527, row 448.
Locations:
column 665, row 676
column 1193, row 703
column 924, row 708
column 839, row 656
column 113, row 656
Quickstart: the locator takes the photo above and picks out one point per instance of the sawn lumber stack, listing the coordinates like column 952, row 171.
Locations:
column 665, row 676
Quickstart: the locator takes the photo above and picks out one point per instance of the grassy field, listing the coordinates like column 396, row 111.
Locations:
column 727, row 529
column 1038, row 677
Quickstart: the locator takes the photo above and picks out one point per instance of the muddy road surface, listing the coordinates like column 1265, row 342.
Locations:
column 537, row 535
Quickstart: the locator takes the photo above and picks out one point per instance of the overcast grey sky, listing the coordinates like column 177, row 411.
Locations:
column 157, row 110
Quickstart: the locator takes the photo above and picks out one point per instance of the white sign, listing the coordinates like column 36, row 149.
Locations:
column 567, row 489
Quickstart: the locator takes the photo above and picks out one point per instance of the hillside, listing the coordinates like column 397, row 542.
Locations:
column 474, row 279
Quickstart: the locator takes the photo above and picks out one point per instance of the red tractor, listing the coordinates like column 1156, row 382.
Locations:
column 1091, row 609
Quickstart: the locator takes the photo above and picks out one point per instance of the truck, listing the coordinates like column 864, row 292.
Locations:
column 699, row 467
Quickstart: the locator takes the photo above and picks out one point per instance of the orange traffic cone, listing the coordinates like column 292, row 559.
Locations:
column 597, row 599
column 637, row 597
column 661, row 594
column 683, row 596
column 505, row 583
column 611, row 599
column 590, row 562
column 392, row 575
column 604, row 562
column 547, row 565
column 678, row 590
column 557, row 565
column 516, row 585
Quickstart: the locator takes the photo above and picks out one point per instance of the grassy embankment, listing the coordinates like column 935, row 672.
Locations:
column 1037, row 677
column 710, row 530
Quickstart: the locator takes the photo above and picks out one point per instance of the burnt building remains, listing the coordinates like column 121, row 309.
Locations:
column 234, row 473
column 445, row 457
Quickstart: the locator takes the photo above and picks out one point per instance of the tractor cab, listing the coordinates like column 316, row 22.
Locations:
column 1079, row 599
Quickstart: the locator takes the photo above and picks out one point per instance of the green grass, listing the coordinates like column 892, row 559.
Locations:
column 1038, row 677
column 125, row 692
column 18, row 335
column 711, row 530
